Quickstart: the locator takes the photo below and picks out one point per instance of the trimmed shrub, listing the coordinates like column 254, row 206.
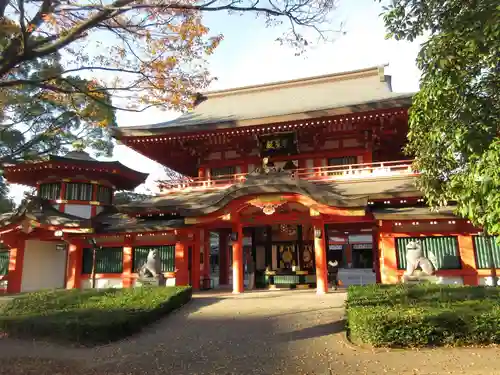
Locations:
column 423, row 315
column 91, row 316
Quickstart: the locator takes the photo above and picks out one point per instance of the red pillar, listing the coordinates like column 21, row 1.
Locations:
column 320, row 257
column 201, row 173
column 238, row 283
column 127, row 271
column 181, row 264
column 195, row 261
column 16, row 260
column 223, row 258
column 376, row 255
column 206, row 254
column 317, row 165
column 74, row 270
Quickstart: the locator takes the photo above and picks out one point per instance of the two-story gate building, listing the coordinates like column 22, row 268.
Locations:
column 289, row 174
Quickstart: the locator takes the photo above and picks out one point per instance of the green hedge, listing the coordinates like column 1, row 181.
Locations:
column 423, row 315
column 91, row 316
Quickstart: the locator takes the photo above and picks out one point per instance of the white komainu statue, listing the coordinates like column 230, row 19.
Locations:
column 152, row 267
column 415, row 258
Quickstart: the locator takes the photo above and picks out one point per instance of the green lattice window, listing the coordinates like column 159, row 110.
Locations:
column 108, row 260
column 4, row 263
column 222, row 171
column 443, row 248
column 487, row 252
column 50, row 191
column 167, row 257
column 104, row 194
column 78, row 191
column 343, row 160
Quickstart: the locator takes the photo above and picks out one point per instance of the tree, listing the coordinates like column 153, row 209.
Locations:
column 6, row 203
column 454, row 126
column 147, row 53
column 35, row 122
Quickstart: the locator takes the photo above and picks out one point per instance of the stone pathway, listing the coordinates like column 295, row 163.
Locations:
column 279, row 332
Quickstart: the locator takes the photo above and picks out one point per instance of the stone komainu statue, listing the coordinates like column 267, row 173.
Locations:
column 152, row 267
column 415, row 258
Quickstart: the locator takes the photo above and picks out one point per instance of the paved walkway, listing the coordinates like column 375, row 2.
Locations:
column 279, row 332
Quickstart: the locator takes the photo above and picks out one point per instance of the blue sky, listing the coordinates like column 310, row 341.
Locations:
column 249, row 54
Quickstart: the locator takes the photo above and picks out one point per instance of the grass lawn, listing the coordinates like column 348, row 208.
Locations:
column 90, row 316
column 423, row 315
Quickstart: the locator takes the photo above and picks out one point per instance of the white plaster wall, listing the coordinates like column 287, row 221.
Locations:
column 487, row 280
column 360, row 238
column 170, row 281
column 356, row 276
column 331, row 143
column 79, row 210
column 214, row 156
column 103, row 283
column 450, row 280
column 309, row 163
column 350, row 142
column 231, row 154
column 44, row 266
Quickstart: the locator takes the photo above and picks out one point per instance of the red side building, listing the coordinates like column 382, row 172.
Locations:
column 288, row 175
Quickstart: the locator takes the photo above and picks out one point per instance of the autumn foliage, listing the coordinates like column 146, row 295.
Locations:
column 143, row 53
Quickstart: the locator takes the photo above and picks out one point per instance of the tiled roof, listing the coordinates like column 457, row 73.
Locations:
column 41, row 211
column 415, row 213
column 348, row 92
column 340, row 194
column 125, row 179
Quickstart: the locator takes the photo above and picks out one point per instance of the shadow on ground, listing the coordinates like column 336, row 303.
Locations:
column 287, row 333
column 214, row 335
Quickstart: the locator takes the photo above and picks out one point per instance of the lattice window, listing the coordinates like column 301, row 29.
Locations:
column 443, row 248
column 107, row 260
column 50, row 191
column 78, row 192
column 104, row 194
column 343, row 160
column 167, row 257
column 487, row 251
column 222, row 171
column 4, row 262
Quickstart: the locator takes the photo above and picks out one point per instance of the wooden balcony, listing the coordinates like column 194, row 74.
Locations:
column 313, row 174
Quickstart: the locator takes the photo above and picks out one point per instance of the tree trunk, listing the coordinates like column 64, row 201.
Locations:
column 93, row 267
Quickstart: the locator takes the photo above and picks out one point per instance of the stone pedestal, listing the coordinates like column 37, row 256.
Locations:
column 151, row 281
column 419, row 277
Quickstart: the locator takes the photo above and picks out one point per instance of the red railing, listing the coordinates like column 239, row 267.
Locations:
column 313, row 174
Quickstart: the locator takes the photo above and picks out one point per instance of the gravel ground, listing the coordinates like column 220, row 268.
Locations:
column 279, row 332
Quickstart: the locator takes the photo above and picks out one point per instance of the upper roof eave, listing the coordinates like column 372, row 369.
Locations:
column 186, row 124
column 135, row 176
column 112, row 163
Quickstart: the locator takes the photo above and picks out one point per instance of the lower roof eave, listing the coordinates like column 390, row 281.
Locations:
column 414, row 213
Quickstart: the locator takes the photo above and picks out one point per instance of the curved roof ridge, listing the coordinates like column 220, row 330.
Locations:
column 308, row 80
